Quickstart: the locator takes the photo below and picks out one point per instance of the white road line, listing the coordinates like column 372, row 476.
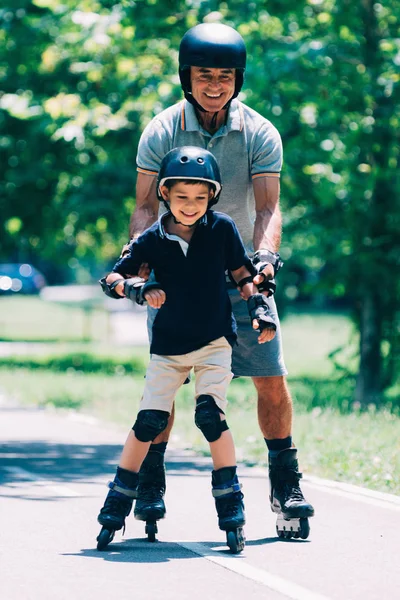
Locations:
column 59, row 490
column 273, row 582
column 354, row 492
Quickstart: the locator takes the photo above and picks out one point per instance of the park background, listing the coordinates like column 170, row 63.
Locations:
column 78, row 83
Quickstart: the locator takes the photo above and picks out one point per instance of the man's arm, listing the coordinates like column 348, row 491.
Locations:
column 146, row 210
column 268, row 223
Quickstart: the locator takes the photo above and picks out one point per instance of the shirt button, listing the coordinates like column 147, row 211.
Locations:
column 210, row 145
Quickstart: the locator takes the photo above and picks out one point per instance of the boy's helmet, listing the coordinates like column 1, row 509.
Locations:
column 190, row 162
column 211, row 45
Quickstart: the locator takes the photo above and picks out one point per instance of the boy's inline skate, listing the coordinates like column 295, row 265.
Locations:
column 117, row 506
column 150, row 505
column 230, row 508
column 286, row 497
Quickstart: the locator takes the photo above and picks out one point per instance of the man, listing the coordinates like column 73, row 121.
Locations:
column 212, row 61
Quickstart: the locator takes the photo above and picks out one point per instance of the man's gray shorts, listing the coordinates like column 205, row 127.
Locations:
column 249, row 358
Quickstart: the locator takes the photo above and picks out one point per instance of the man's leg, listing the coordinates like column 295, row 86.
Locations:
column 275, row 412
column 274, row 407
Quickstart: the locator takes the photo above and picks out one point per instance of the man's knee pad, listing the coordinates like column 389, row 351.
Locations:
column 149, row 424
column 207, row 418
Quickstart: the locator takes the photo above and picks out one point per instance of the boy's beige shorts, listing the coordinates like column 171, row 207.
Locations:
column 165, row 375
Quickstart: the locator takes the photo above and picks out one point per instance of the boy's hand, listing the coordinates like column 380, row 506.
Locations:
column 155, row 298
column 266, row 335
column 261, row 318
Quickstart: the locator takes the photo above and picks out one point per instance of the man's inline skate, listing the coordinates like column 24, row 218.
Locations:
column 286, row 497
column 230, row 508
column 150, row 505
column 117, row 506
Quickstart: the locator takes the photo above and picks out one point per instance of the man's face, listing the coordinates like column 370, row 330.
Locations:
column 212, row 88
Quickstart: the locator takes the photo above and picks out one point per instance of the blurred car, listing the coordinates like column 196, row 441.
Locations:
column 20, row 278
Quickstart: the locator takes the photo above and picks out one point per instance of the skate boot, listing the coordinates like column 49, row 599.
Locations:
column 150, row 505
column 286, row 497
column 230, row 508
column 117, row 505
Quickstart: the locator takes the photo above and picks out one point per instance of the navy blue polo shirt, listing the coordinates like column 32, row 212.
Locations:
column 197, row 309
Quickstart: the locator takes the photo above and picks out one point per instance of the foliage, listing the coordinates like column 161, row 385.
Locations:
column 76, row 362
column 326, row 72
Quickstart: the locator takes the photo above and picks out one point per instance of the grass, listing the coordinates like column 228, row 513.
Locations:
column 32, row 319
column 361, row 448
column 336, row 440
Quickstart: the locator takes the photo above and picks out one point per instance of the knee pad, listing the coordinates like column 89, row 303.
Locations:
column 207, row 418
column 149, row 424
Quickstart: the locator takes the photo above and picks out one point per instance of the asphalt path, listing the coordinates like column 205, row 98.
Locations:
column 53, row 472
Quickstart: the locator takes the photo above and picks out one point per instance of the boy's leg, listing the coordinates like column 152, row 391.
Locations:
column 163, row 380
column 213, row 375
column 151, row 421
column 123, row 490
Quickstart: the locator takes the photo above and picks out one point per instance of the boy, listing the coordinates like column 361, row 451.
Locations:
column 189, row 251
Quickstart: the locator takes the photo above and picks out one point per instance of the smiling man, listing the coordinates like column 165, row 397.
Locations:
column 212, row 62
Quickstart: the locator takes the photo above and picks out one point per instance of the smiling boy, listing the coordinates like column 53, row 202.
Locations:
column 189, row 250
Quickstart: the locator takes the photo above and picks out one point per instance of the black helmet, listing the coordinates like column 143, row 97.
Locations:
column 190, row 162
column 211, row 45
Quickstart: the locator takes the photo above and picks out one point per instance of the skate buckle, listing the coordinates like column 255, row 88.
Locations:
column 126, row 492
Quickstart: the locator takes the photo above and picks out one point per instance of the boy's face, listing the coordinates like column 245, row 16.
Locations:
column 187, row 201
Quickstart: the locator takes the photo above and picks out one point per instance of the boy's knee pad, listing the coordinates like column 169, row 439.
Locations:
column 149, row 424
column 207, row 418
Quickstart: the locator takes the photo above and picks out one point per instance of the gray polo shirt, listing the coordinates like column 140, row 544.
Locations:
column 246, row 147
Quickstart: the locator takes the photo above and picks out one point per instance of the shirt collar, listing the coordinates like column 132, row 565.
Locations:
column 235, row 120
column 161, row 219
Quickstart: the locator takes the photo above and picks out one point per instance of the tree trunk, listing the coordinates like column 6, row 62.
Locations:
column 369, row 379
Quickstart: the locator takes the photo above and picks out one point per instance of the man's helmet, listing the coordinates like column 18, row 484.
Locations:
column 211, row 45
column 190, row 162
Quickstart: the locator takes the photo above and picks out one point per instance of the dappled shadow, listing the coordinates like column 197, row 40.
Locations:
column 68, row 463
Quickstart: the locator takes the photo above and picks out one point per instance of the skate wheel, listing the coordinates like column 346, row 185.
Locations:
column 304, row 528
column 279, row 532
column 104, row 538
column 287, row 534
column 235, row 540
column 151, row 530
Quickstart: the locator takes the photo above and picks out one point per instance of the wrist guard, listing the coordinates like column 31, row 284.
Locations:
column 109, row 288
column 135, row 289
column 261, row 259
column 258, row 308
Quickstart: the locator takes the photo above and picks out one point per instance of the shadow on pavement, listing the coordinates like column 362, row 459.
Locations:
column 135, row 550
column 69, row 463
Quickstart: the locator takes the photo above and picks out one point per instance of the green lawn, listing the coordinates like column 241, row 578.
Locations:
column 31, row 319
column 335, row 440
column 361, row 448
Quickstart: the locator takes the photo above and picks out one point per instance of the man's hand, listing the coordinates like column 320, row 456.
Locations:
column 144, row 271
column 155, row 298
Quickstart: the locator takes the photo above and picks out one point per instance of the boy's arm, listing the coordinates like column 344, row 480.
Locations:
column 121, row 283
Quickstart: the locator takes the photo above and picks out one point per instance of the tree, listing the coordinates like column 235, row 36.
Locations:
column 325, row 72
